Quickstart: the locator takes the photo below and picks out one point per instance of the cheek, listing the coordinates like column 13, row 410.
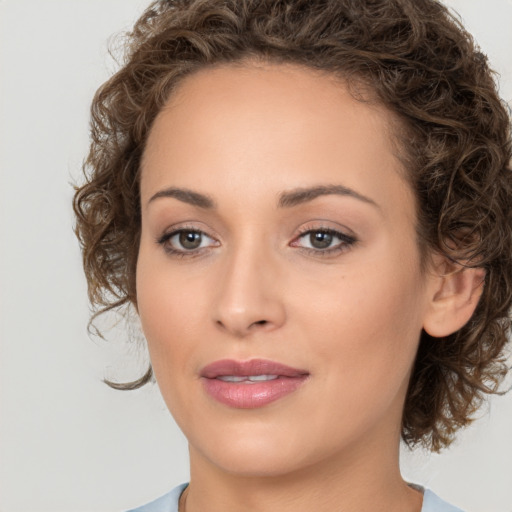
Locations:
column 367, row 324
column 170, row 313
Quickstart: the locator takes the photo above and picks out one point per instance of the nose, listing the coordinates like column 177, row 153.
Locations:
column 249, row 297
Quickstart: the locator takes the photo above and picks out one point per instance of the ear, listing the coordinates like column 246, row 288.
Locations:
column 454, row 291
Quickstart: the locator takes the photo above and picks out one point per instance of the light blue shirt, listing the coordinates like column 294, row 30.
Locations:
column 169, row 502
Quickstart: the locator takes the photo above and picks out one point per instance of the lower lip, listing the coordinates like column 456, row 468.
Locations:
column 242, row 395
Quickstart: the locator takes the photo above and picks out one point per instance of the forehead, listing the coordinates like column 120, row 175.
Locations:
column 253, row 95
column 242, row 126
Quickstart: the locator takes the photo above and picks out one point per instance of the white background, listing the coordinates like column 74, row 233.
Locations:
column 68, row 442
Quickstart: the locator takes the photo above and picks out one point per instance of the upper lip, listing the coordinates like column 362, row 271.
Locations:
column 251, row 367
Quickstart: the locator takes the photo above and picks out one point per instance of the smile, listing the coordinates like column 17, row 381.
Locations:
column 250, row 384
column 248, row 379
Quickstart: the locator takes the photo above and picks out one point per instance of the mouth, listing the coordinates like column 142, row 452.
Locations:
column 250, row 384
column 248, row 379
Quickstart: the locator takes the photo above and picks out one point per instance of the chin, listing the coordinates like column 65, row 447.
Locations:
column 256, row 452
column 254, row 463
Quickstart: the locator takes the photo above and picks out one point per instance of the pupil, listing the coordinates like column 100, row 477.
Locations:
column 320, row 240
column 190, row 240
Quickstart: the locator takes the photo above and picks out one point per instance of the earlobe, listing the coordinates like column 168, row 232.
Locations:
column 454, row 295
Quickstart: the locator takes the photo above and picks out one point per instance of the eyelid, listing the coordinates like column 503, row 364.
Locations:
column 195, row 226
column 347, row 240
column 172, row 231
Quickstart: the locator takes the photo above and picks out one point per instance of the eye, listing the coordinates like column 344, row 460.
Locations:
column 323, row 241
column 320, row 239
column 186, row 241
column 189, row 239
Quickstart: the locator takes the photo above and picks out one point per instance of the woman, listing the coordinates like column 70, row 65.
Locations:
column 307, row 204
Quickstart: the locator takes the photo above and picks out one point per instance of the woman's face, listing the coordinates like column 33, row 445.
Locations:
column 278, row 279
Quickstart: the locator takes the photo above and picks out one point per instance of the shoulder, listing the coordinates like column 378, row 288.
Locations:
column 166, row 503
column 433, row 503
column 169, row 502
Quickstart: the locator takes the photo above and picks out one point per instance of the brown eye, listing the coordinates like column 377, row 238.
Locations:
column 324, row 241
column 320, row 239
column 190, row 239
column 186, row 242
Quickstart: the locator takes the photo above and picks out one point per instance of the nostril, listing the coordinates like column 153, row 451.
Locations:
column 260, row 322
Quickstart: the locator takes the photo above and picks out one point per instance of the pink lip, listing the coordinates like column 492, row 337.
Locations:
column 246, row 394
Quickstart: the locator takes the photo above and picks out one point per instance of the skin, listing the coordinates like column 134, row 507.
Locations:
column 243, row 136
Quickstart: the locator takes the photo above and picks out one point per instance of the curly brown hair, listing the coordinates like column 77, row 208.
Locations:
column 420, row 63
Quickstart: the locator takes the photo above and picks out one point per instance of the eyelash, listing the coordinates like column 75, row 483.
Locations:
column 181, row 253
column 346, row 242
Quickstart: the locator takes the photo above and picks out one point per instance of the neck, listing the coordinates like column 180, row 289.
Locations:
column 363, row 480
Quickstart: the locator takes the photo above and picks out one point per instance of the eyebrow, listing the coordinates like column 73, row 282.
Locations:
column 186, row 196
column 287, row 199
column 303, row 195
